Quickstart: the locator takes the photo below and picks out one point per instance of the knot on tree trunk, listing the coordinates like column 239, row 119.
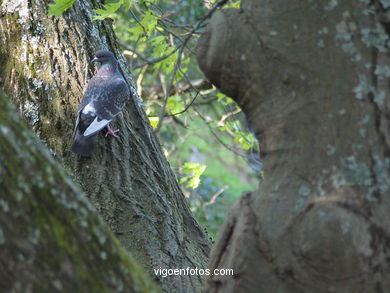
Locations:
column 342, row 257
column 319, row 222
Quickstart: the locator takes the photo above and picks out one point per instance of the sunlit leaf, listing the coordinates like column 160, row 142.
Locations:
column 149, row 22
column 128, row 3
column 108, row 10
column 233, row 5
column 59, row 6
column 193, row 172
column 153, row 121
column 175, row 104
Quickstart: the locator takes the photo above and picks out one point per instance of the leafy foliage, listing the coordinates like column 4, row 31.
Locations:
column 245, row 140
column 192, row 172
column 204, row 134
column 209, row 205
column 59, row 6
column 109, row 10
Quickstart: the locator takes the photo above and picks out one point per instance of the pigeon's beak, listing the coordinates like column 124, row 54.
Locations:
column 94, row 60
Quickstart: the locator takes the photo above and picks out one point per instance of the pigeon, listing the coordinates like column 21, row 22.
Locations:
column 106, row 95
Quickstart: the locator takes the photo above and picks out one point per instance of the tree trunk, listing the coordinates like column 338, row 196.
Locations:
column 45, row 66
column 51, row 238
column 313, row 79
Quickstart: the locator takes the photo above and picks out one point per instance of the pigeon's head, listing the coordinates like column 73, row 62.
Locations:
column 104, row 57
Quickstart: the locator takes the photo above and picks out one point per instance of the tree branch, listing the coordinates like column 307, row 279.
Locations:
column 215, row 195
column 178, row 60
column 181, row 112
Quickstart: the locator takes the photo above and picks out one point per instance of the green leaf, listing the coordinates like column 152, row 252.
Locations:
column 233, row 5
column 153, row 121
column 149, row 22
column 225, row 100
column 108, row 11
column 158, row 40
column 175, row 104
column 59, row 6
column 193, row 171
column 127, row 4
column 136, row 31
column 168, row 64
column 159, row 50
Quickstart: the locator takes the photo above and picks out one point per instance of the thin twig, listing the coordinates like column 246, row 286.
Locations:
column 186, row 108
column 142, row 57
column 140, row 78
column 215, row 195
column 216, row 136
column 207, row 102
column 178, row 60
column 197, row 26
column 179, row 122
column 154, row 61
column 136, row 19
column 132, row 50
column 224, row 117
column 181, row 112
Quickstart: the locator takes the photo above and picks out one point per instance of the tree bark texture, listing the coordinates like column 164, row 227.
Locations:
column 51, row 237
column 313, row 79
column 45, row 65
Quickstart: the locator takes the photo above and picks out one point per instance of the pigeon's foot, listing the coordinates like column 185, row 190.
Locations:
column 111, row 131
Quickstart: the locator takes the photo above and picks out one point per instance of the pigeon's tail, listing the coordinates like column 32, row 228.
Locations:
column 82, row 145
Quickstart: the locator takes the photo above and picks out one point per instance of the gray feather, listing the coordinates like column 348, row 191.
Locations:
column 83, row 146
column 104, row 98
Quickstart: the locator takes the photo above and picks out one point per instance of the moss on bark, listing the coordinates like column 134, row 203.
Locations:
column 310, row 75
column 128, row 180
column 51, row 238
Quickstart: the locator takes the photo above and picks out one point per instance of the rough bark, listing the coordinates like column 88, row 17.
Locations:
column 51, row 237
column 312, row 78
column 45, row 66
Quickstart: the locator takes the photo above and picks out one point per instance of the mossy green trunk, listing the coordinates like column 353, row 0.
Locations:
column 51, row 237
column 313, row 79
column 45, row 67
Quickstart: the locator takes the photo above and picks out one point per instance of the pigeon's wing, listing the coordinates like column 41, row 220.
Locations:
column 83, row 145
column 104, row 105
column 86, row 117
column 91, row 93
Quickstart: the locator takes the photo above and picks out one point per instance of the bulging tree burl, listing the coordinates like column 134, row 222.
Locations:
column 312, row 77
